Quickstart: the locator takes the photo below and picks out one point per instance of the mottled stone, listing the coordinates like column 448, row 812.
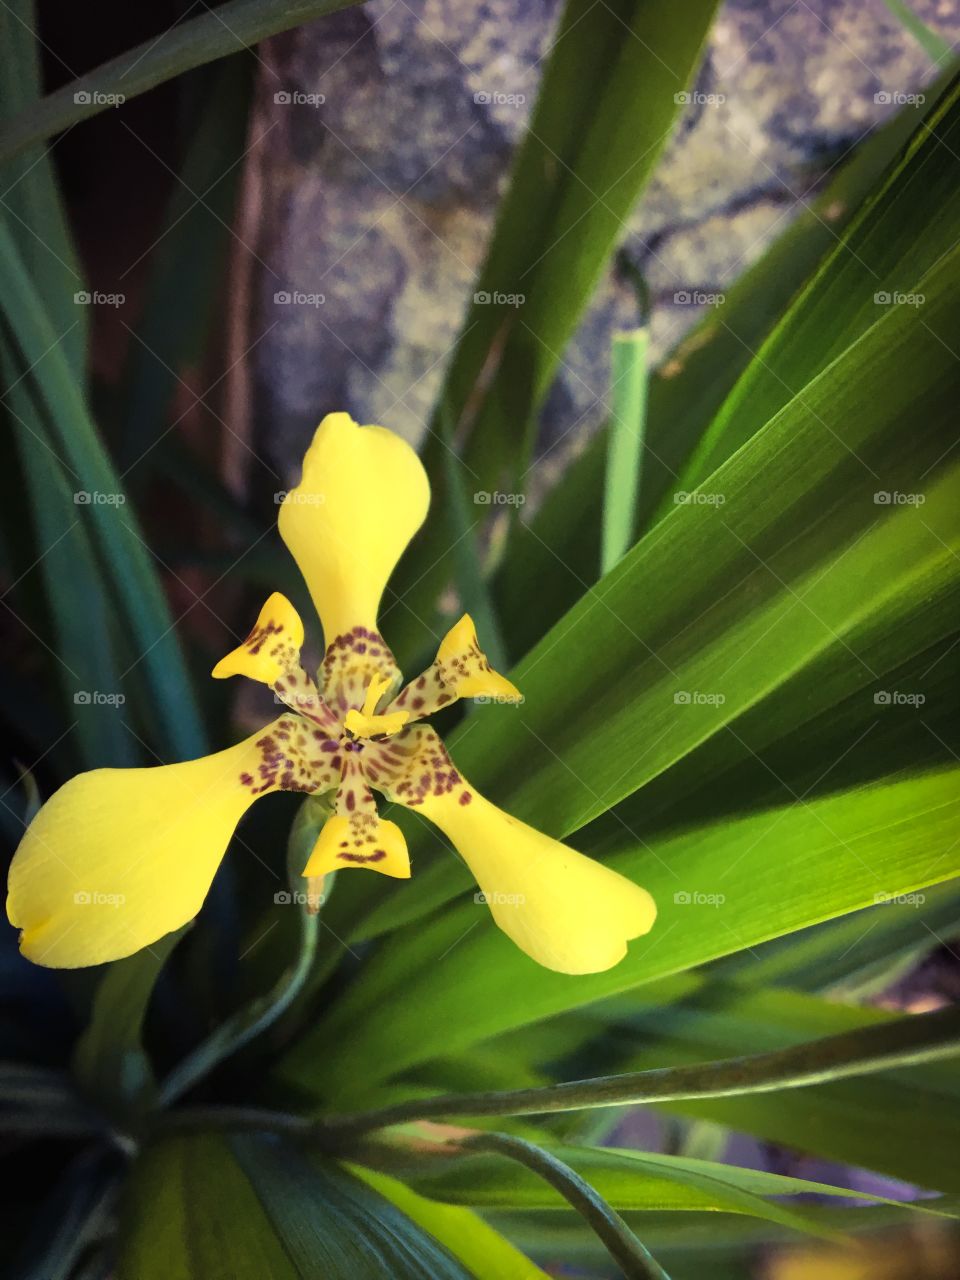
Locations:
column 382, row 196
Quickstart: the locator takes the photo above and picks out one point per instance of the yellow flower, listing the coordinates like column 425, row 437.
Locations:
column 119, row 857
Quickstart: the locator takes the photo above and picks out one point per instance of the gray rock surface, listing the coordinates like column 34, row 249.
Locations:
column 382, row 196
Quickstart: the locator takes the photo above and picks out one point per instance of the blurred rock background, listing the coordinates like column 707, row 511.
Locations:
column 387, row 135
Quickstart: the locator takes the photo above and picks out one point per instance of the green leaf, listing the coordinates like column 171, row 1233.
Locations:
column 892, row 1043
column 880, row 260
column 190, row 1213
column 187, row 262
column 110, row 1061
column 831, row 856
column 904, row 1124
column 112, row 525
column 932, row 44
column 86, row 657
column 559, row 549
column 634, row 1180
column 235, row 25
column 631, row 1256
column 606, row 105
column 625, row 444
column 332, row 1224
column 800, row 568
column 482, row 1250
column 261, row 1013
column 609, row 96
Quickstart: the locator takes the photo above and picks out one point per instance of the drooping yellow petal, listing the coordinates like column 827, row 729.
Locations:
column 564, row 910
column 356, row 835
column 377, row 845
column 119, row 857
column 363, row 495
column 271, row 648
column 460, row 670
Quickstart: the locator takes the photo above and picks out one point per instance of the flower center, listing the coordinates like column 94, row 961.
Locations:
column 366, row 723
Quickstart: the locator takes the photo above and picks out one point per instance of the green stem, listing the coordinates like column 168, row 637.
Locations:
column 227, row 29
column 901, row 1042
column 624, row 444
column 249, row 1022
column 636, row 1262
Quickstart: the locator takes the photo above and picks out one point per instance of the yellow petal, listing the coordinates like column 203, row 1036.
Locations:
column 271, row 656
column 564, row 910
column 363, row 495
column 376, row 846
column 362, row 725
column 461, row 670
column 119, row 857
column 272, row 647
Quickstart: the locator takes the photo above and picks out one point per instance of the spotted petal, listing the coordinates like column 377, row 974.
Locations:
column 356, row 836
column 119, row 857
column 564, row 910
column 271, row 655
column 363, row 495
column 460, row 670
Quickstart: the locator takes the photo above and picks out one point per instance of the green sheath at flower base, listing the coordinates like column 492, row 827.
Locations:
column 119, row 857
